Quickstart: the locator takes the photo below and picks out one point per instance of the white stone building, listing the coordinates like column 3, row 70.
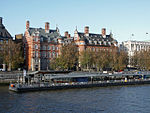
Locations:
column 131, row 46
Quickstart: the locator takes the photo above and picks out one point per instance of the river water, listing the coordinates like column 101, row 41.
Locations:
column 116, row 99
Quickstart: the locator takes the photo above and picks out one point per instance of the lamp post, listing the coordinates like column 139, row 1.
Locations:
column 130, row 50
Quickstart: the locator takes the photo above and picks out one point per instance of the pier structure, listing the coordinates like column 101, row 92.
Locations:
column 50, row 81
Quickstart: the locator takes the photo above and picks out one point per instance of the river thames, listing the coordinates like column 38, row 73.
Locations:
column 122, row 99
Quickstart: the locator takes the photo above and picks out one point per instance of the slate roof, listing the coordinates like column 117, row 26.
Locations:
column 97, row 39
column 52, row 36
column 67, row 40
column 4, row 34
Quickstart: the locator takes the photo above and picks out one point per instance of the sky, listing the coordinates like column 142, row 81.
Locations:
column 122, row 17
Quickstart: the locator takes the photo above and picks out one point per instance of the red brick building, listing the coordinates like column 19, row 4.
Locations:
column 95, row 42
column 41, row 45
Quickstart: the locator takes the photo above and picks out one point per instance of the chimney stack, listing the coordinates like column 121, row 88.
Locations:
column 66, row 34
column 27, row 24
column 69, row 36
column 47, row 27
column 86, row 30
column 103, row 31
column 1, row 20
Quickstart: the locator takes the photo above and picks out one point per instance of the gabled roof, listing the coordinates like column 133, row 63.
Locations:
column 4, row 34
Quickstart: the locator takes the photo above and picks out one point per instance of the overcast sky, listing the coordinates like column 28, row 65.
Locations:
column 122, row 17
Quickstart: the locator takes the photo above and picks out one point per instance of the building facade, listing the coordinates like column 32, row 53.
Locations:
column 95, row 42
column 86, row 40
column 4, row 34
column 131, row 46
column 5, row 38
column 42, row 45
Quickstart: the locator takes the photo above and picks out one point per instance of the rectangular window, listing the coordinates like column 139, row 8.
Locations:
column 36, row 39
column 36, row 53
column 1, row 41
column 36, row 46
column 48, row 47
column 53, row 47
column 53, row 54
column 44, row 54
column 56, row 54
column 41, row 39
column 50, row 54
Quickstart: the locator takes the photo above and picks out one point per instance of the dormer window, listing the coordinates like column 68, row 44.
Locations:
column 41, row 39
column 104, row 36
column 95, row 42
column 109, row 43
column 90, row 42
column 49, row 40
column 100, row 42
column 104, row 42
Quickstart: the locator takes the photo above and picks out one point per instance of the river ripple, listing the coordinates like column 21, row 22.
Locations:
column 123, row 99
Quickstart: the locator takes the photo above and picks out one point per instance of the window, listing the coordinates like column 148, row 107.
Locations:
column 6, row 41
column 53, row 47
column 95, row 42
column 53, row 54
column 44, row 54
column 49, row 48
column 78, row 49
column 36, row 53
column 50, row 54
column 1, row 41
column 104, row 42
column 49, row 39
column 90, row 42
column 47, row 54
column 56, row 54
column 36, row 46
column 36, row 39
column 41, row 39
column 44, row 47
column 100, row 42
column 97, row 49
column 93, row 49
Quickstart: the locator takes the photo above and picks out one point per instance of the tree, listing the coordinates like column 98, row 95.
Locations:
column 68, row 58
column 12, row 54
column 119, row 60
column 86, row 59
column 141, row 59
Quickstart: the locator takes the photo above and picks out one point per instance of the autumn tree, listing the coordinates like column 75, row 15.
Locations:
column 119, row 60
column 86, row 59
column 141, row 59
column 12, row 54
column 68, row 58
column 104, row 59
